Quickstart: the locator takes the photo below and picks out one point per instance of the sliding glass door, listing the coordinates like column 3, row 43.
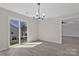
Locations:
column 18, row 32
column 14, row 31
column 23, row 27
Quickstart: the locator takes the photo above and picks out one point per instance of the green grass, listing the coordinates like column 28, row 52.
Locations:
column 12, row 42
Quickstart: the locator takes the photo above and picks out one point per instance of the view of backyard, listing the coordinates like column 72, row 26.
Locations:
column 14, row 32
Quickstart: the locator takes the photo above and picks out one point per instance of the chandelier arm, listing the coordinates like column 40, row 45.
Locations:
column 38, row 13
column 38, row 9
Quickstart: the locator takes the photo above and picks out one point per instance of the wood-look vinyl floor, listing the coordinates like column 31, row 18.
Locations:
column 70, row 47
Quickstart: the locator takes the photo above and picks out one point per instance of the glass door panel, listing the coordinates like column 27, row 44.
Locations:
column 14, row 31
column 23, row 27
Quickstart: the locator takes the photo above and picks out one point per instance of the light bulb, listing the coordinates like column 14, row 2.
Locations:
column 33, row 15
column 43, row 14
column 36, row 13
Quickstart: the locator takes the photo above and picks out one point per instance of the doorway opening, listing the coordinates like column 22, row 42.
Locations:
column 18, row 32
column 70, row 31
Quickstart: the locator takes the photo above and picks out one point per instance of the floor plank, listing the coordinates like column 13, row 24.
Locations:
column 47, row 49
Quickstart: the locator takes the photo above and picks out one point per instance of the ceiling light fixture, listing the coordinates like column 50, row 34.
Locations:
column 37, row 15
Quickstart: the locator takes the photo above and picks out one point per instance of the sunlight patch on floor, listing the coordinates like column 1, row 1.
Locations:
column 71, row 51
column 26, row 45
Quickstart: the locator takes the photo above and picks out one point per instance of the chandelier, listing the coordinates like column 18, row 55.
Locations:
column 37, row 15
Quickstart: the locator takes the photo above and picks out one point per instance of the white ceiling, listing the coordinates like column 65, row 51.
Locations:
column 50, row 9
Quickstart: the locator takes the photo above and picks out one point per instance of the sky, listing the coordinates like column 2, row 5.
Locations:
column 16, row 22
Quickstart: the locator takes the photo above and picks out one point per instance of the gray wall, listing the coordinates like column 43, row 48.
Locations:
column 3, row 31
column 50, row 30
column 5, row 15
column 71, row 29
